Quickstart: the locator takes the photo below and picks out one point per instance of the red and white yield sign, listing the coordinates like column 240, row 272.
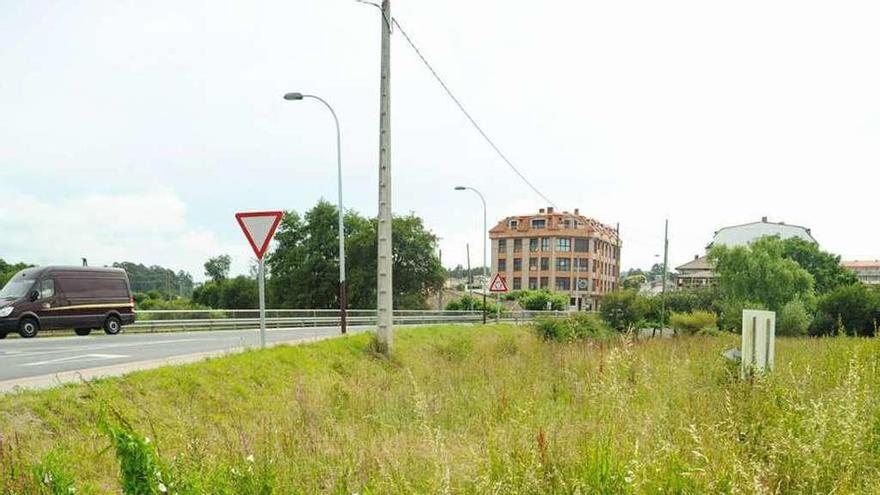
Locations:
column 498, row 284
column 259, row 227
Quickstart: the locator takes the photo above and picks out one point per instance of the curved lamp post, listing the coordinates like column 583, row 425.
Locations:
column 343, row 297
column 485, row 232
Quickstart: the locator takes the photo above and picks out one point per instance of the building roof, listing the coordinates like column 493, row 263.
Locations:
column 698, row 263
column 861, row 264
column 747, row 233
column 593, row 226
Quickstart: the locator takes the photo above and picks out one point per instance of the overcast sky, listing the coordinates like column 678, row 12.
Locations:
column 135, row 130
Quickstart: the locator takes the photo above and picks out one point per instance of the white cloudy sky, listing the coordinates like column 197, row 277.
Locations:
column 135, row 130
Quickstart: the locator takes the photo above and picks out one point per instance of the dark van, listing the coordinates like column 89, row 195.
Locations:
column 54, row 297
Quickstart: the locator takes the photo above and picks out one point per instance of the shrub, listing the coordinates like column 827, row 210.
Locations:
column 793, row 319
column 693, row 323
column 731, row 314
column 536, row 300
column 855, row 308
column 574, row 326
column 624, row 310
column 472, row 303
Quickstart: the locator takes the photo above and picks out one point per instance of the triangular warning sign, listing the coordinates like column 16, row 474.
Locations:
column 498, row 284
column 259, row 227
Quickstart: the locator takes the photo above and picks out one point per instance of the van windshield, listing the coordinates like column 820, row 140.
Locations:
column 16, row 288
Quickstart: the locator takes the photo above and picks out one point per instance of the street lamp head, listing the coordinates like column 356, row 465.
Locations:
column 460, row 188
column 293, row 96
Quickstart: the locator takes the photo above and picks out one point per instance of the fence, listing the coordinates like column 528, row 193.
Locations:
column 243, row 319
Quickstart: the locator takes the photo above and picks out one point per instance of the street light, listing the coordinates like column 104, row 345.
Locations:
column 343, row 297
column 485, row 231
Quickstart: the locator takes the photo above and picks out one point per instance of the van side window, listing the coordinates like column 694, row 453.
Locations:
column 47, row 288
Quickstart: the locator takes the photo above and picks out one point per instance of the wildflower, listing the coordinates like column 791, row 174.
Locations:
column 162, row 487
column 147, row 440
column 250, row 458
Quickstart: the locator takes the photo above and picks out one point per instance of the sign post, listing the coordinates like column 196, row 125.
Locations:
column 498, row 286
column 258, row 228
column 758, row 341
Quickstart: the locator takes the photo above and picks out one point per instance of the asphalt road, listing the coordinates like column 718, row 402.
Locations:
column 24, row 359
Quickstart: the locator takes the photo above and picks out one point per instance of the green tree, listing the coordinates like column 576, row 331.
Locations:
column 538, row 300
column 793, row 319
column 157, row 278
column 825, row 267
column 761, row 273
column 240, row 292
column 416, row 269
column 624, row 310
column 209, row 294
column 7, row 270
column 305, row 269
column 217, row 268
column 853, row 308
column 634, row 281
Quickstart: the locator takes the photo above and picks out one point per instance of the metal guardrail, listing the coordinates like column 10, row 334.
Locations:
column 242, row 319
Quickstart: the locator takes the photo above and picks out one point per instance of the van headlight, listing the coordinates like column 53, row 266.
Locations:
column 4, row 312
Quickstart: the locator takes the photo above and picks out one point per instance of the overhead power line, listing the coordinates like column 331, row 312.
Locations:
column 467, row 114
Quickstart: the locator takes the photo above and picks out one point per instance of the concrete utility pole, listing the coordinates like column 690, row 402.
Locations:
column 663, row 290
column 384, row 295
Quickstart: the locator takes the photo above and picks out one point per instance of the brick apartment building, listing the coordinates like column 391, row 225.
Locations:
column 563, row 252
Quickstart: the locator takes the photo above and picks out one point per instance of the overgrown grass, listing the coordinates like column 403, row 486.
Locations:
column 462, row 410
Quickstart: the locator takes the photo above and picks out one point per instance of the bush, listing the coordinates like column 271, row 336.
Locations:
column 536, row 300
column 575, row 326
column 793, row 319
column 624, row 310
column 692, row 323
column 472, row 303
column 855, row 309
column 731, row 314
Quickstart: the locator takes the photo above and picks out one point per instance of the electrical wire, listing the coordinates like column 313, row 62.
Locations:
column 467, row 114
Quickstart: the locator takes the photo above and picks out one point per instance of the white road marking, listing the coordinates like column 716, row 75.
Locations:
column 84, row 357
column 92, row 346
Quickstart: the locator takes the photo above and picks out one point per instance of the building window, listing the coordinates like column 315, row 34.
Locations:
column 545, row 283
column 533, row 245
column 581, row 245
column 517, row 245
column 545, row 263
column 545, row 244
column 502, row 245
column 517, row 264
column 596, row 246
column 539, row 223
column 517, row 283
column 563, row 244
column 563, row 264
column 513, row 224
column 563, row 283
column 582, row 284
column 566, row 224
column 533, row 283
column 502, row 265
column 581, row 265
column 533, row 264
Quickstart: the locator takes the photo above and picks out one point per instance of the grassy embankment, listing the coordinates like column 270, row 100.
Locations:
column 465, row 410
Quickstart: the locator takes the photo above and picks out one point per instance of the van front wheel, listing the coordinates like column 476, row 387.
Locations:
column 28, row 328
column 82, row 332
column 112, row 325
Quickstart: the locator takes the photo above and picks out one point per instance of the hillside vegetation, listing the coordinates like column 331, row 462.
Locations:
column 462, row 410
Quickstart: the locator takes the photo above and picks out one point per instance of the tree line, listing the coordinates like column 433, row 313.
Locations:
column 810, row 291
column 303, row 267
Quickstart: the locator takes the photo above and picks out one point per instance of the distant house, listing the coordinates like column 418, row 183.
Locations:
column 868, row 272
column 747, row 233
column 700, row 272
